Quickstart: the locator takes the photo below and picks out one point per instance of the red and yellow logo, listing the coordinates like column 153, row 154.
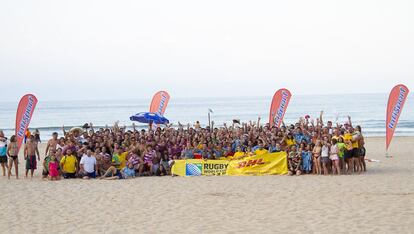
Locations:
column 251, row 163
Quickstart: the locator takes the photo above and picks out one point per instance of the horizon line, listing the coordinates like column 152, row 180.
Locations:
column 197, row 97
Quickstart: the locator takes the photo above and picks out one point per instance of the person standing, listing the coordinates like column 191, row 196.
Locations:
column 52, row 143
column 12, row 151
column 30, row 152
column 3, row 153
column 36, row 134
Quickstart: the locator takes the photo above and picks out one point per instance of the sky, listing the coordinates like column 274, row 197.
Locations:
column 90, row 49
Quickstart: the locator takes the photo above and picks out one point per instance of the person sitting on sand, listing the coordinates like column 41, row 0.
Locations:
column 115, row 169
column 68, row 164
column 88, row 165
column 128, row 171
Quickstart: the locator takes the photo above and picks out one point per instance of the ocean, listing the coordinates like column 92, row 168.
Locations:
column 367, row 110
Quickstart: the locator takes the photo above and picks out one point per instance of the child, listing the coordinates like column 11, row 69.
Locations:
column 316, row 157
column 341, row 147
column 333, row 156
column 294, row 161
column 128, row 171
column 53, row 168
column 307, row 159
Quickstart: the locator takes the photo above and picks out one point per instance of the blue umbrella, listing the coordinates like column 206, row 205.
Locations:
column 149, row 117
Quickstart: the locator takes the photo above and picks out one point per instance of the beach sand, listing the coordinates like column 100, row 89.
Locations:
column 379, row 201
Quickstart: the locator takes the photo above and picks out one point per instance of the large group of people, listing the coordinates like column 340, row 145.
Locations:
column 311, row 146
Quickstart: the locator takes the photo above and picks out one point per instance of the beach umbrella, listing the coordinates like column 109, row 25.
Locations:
column 149, row 117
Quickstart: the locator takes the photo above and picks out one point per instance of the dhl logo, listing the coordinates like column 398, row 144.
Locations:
column 251, row 163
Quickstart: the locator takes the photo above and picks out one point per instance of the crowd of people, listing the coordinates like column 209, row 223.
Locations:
column 312, row 147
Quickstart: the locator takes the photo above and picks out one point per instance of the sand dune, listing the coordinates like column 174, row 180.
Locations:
column 380, row 201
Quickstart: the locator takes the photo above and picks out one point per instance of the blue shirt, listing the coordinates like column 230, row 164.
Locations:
column 273, row 149
column 3, row 148
column 129, row 172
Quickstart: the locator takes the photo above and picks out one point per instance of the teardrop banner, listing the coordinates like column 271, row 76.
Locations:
column 159, row 102
column 24, row 114
column 395, row 106
column 279, row 106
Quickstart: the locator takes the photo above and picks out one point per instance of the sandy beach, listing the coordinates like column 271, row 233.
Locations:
column 380, row 201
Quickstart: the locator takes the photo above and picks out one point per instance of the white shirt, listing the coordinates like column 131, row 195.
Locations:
column 88, row 163
column 325, row 151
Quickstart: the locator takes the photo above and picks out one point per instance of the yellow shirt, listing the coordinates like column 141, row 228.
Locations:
column 347, row 139
column 355, row 143
column 336, row 138
column 122, row 159
column 238, row 155
column 261, row 152
column 68, row 163
column 290, row 142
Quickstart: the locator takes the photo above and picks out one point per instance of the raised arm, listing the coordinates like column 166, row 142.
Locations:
column 63, row 130
column 93, row 130
column 349, row 121
column 321, row 118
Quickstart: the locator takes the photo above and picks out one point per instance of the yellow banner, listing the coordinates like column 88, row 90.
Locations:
column 266, row 164
column 198, row 167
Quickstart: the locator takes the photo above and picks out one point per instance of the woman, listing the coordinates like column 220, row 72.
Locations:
column 341, row 147
column 334, row 157
column 361, row 150
column 12, row 153
column 316, row 157
column 325, row 157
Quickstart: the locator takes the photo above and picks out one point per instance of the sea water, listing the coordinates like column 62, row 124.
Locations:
column 367, row 110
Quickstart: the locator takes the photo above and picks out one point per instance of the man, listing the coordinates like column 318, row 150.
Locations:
column 30, row 152
column 188, row 152
column 88, row 165
column 68, row 163
column 275, row 147
column 52, row 143
column 260, row 150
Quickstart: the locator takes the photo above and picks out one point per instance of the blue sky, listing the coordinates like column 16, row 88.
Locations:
column 62, row 50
